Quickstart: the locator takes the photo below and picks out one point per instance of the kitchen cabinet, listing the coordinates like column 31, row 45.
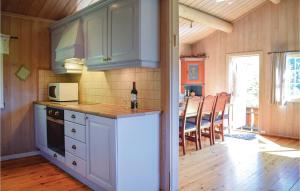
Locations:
column 101, row 151
column 118, row 153
column 123, row 31
column 56, row 34
column 116, row 34
column 40, row 123
column 95, row 37
column 120, row 149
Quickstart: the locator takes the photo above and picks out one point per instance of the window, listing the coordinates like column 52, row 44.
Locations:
column 293, row 77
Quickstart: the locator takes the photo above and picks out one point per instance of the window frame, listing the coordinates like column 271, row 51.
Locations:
column 287, row 83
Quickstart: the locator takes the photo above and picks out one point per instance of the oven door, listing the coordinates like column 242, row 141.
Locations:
column 56, row 135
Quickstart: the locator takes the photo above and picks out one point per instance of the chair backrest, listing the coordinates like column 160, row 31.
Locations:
column 222, row 100
column 191, row 109
column 207, row 106
column 227, row 94
column 193, row 106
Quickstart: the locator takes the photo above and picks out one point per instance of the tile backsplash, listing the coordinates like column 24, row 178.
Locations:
column 111, row 87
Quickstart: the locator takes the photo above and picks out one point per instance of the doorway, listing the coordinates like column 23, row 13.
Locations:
column 243, row 83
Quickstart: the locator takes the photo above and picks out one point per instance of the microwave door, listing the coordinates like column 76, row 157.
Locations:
column 52, row 91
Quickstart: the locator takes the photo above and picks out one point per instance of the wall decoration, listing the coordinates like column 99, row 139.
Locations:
column 193, row 72
column 23, row 73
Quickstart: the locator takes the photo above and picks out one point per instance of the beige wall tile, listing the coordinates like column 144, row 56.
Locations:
column 110, row 87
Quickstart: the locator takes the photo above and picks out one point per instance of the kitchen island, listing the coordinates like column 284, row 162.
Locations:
column 106, row 147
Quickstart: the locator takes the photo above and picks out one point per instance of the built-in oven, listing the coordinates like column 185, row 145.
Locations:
column 56, row 130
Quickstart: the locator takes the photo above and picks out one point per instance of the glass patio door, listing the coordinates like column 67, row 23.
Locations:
column 244, row 86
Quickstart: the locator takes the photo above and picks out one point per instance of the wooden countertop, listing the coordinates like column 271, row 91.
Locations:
column 102, row 110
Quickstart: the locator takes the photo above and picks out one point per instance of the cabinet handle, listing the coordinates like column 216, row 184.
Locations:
column 74, row 163
column 55, row 155
column 73, row 116
column 73, row 130
column 74, row 147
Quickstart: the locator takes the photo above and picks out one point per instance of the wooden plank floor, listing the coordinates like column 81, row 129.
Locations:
column 266, row 163
column 36, row 173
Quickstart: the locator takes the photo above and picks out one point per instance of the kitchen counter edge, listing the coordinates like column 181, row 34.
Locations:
column 140, row 112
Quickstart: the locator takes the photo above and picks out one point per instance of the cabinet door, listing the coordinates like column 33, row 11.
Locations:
column 101, row 151
column 95, row 35
column 123, row 35
column 40, row 120
column 56, row 35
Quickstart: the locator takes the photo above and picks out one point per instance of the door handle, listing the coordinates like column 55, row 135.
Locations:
column 74, row 147
column 73, row 130
column 55, row 155
column 73, row 116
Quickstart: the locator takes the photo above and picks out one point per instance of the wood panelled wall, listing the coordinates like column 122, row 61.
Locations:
column 268, row 28
column 31, row 49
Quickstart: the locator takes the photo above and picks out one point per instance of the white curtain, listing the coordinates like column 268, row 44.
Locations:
column 278, row 68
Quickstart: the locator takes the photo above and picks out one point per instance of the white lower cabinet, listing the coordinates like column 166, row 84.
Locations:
column 101, row 162
column 54, row 155
column 123, row 153
column 76, row 163
column 75, row 147
column 40, row 123
column 107, row 154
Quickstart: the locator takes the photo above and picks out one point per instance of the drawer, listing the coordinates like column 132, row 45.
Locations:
column 76, row 163
column 75, row 147
column 75, row 117
column 75, row 131
column 56, row 156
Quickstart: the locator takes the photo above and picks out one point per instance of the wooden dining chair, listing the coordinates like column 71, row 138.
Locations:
column 227, row 113
column 218, row 115
column 205, row 125
column 188, row 128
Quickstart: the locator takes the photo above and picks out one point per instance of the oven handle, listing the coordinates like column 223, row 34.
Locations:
column 59, row 121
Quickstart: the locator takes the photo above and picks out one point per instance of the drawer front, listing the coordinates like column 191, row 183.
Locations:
column 75, row 131
column 74, row 117
column 76, row 163
column 56, row 156
column 75, row 147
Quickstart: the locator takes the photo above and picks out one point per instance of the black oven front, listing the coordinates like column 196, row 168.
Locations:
column 55, row 130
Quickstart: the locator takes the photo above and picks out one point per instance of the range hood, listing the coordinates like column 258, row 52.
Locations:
column 70, row 51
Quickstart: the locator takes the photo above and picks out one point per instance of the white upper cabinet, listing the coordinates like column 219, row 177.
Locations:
column 56, row 35
column 116, row 34
column 123, row 31
column 95, row 37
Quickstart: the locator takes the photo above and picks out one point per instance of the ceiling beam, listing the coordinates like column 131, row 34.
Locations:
column 204, row 18
column 275, row 1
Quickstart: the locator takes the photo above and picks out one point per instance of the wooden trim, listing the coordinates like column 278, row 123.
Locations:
column 20, row 155
column 278, row 136
column 9, row 14
column 192, row 59
column 169, row 50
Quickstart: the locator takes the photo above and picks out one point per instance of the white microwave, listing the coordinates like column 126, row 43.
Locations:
column 63, row 91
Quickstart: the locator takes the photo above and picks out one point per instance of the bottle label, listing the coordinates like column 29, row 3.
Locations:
column 133, row 97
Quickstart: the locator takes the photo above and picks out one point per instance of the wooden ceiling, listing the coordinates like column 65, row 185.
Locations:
column 228, row 10
column 47, row 9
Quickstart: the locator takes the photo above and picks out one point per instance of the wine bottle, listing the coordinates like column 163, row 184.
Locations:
column 134, row 103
